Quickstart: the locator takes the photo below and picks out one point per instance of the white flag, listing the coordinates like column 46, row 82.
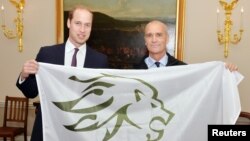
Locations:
column 163, row 104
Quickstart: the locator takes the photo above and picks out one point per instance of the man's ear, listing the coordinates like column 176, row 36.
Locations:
column 68, row 23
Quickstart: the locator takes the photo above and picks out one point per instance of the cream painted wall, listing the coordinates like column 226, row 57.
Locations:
column 39, row 30
column 200, row 42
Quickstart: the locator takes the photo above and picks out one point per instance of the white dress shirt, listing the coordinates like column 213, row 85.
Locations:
column 150, row 62
column 69, row 51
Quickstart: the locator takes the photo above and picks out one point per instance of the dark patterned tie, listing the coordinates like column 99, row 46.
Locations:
column 157, row 64
column 74, row 61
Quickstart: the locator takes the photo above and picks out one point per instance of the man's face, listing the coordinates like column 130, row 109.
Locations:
column 156, row 38
column 80, row 27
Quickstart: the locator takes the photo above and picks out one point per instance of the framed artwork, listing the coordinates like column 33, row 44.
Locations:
column 118, row 26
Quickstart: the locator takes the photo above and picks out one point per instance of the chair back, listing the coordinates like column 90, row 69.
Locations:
column 16, row 110
column 244, row 118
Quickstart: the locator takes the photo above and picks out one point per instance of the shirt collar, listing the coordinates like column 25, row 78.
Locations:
column 151, row 62
column 70, row 47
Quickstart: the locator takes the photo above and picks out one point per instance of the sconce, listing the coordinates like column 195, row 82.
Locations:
column 225, row 38
column 18, row 33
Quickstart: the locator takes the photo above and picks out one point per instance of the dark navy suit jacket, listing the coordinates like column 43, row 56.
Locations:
column 55, row 55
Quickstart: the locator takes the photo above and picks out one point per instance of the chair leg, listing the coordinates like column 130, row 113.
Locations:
column 12, row 138
column 4, row 138
column 25, row 136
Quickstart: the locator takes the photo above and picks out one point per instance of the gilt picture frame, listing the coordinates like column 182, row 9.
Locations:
column 123, row 41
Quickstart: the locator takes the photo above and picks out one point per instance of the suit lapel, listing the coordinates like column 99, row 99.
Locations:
column 87, row 58
column 60, row 54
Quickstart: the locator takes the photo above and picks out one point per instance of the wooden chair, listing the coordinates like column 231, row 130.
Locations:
column 245, row 114
column 15, row 118
column 244, row 118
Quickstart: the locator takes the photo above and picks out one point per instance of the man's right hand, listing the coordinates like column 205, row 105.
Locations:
column 29, row 67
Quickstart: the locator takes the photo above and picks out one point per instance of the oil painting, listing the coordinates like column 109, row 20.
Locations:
column 118, row 25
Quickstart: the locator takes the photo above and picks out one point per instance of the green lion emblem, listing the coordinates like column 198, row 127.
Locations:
column 121, row 99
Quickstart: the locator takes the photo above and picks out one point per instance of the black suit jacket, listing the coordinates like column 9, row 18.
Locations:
column 55, row 55
column 171, row 62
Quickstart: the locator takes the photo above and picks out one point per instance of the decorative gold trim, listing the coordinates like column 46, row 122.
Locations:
column 180, row 24
column 224, row 35
column 18, row 32
column 59, row 21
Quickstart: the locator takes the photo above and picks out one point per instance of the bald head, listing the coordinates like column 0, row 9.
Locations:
column 156, row 39
column 156, row 23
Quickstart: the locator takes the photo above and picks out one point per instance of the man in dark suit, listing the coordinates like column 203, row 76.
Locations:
column 156, row 38
column 79, row 23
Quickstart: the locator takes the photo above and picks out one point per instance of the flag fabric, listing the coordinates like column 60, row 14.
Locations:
column 163, row 104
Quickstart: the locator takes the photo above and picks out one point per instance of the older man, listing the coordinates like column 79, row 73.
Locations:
column 156, row 38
